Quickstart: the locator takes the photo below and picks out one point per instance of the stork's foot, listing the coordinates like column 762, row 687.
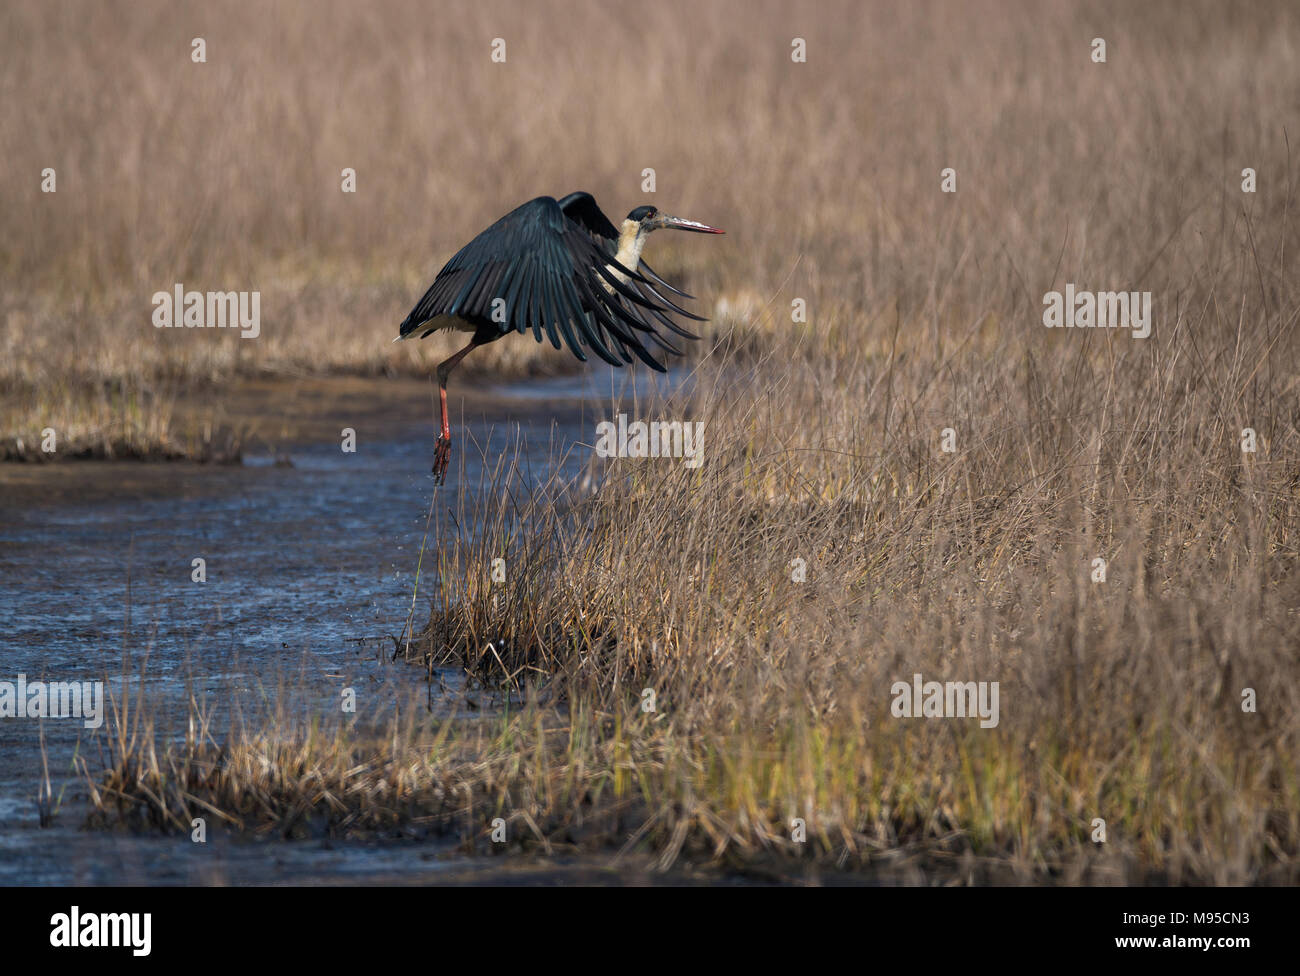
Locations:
column 441, row 455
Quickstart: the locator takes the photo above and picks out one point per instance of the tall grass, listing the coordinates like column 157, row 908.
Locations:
column 226, row 175
column 1121, row 700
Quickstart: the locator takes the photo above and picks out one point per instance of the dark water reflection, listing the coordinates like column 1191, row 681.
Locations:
column 302, row 563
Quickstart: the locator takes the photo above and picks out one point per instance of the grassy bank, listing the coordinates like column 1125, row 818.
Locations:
column 1121, row 700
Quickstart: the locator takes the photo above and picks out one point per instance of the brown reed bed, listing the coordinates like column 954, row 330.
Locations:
column 1121, row 700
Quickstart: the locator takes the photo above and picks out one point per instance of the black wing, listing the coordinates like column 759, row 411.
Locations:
column 536, row 268
column 581, row 207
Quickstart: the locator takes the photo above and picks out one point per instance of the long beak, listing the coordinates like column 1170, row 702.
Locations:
column 681, row 223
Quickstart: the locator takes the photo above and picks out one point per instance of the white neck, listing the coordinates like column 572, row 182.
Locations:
column 631, row 239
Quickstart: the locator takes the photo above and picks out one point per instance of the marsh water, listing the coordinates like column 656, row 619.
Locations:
column 309, row 556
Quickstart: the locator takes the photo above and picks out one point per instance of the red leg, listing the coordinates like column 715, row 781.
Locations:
column 442, row 449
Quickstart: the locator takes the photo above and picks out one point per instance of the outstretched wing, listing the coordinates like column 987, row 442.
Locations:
column 581, row 208
column 537, row 269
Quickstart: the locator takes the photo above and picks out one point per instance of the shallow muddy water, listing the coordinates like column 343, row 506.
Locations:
column 304, row 565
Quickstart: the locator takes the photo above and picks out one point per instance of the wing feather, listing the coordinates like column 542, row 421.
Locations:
column 553, row 265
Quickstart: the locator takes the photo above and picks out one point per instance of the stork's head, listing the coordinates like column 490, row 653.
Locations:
column 637, row 227
column 647, row 219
